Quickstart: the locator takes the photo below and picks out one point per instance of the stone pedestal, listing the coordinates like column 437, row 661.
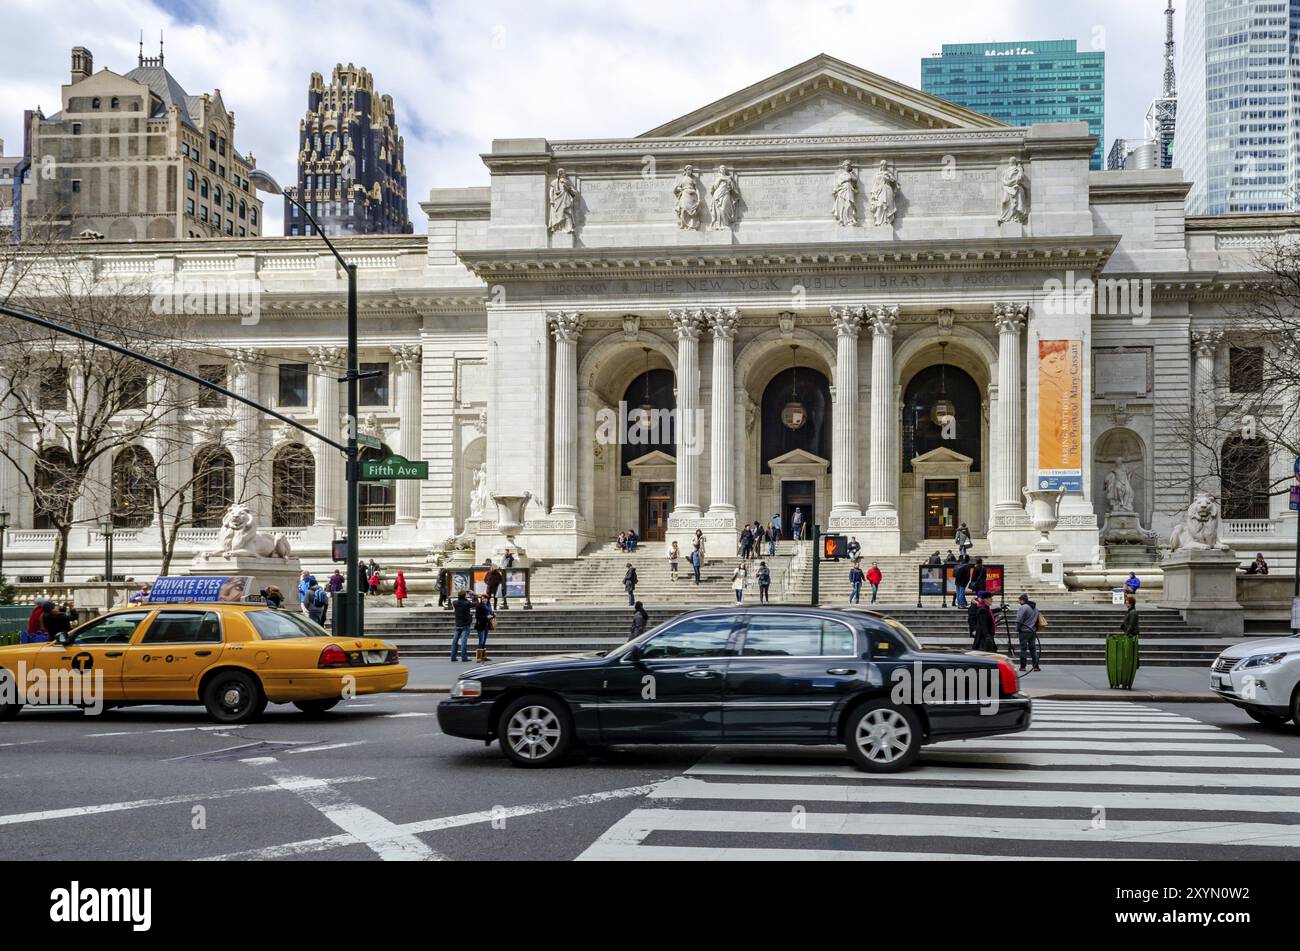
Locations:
column 1047, row 567
column 284, row 573
column 1201, row 584
column 1124, row 528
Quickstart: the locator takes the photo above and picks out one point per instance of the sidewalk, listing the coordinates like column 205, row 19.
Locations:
column 1076, row 682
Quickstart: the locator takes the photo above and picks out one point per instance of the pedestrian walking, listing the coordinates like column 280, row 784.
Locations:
column 773, row 536
column 697, row 560
column 701, row 544
column 874, row 577
column 493, row 581
column 629, row 583
column 856, row 577
column 978, row 576
column 484, row 621
column 796, row 524
column 674, row 553
column 985, row 624
column 962, row 538
column 335, row 582
column 463, row 619
column 1027, row 624
column 399, row 587
column 739, row 578
column 1131, row 626
column 961, row 579
column 776, row 523
column 444, row 580
column 374, row 581
column 764, row 581
column 316, row 602
column 305, row 581
column 746, row 543
column 640, row 619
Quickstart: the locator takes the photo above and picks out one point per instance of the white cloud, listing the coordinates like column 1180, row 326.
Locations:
column 466, row 71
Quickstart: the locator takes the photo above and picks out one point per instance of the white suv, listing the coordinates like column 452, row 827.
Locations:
column 1261, row 677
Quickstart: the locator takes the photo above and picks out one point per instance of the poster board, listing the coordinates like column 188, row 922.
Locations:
column 1060, row 415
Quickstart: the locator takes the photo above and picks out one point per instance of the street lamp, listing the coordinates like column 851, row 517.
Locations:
column 106, row 528
column 4, row 530
column 262, row 181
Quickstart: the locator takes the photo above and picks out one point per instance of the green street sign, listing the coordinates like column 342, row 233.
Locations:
column 369, row 442
column 393, row 467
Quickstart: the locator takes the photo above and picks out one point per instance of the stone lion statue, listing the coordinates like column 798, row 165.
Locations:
column 239, row 536
column 1200, row 528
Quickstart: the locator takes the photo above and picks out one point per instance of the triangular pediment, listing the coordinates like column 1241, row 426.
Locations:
column 821, row 96
column 651, row 459
column 944, row 456
column 798, row 457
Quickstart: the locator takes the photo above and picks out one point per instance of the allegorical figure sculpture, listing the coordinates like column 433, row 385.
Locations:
column 1119, row 489
column 883, row 200
column 1015, row 193
column 844, row 204
column 689, row 204
column 563, row 202
column 479, row 497
column 724, row 197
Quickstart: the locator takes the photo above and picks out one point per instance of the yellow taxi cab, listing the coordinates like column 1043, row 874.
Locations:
column 232, row 658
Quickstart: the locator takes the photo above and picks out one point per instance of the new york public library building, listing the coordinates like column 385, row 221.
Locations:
column 827, row 291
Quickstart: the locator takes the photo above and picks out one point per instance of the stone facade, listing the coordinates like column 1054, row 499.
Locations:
column 512, row 344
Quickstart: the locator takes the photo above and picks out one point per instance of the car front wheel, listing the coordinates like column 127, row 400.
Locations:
column 883, row 738
column 233, row 696
column 535, row 731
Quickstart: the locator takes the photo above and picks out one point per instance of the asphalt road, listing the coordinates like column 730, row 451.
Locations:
column 375, row 779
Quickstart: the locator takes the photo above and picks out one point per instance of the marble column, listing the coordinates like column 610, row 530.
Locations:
column 566, row 328
column 884, row 414
column 844, row 445
column 94, row 501
column 11, row 481
column 1205, row 347
column 1009, row 440
column 331, row 465
column 722, row 484
column 246, row 448
column 687, row 325
column 407, row 357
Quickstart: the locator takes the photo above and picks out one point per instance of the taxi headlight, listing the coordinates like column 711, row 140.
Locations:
column 465, row 689
column 1261, row 660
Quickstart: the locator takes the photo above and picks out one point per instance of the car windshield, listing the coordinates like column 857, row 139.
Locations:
column 901, row 630
column 275, row 625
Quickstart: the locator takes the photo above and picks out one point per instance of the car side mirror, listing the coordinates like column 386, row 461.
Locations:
column 63, row 640
column 634, row 653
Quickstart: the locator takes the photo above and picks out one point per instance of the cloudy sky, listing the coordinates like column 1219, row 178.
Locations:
column 463, row 72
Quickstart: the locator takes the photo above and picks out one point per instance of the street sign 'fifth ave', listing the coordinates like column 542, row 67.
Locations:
column 392, row 467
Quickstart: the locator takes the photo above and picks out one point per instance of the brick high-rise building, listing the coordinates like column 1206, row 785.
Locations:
column 133, row 156
column 351, row 163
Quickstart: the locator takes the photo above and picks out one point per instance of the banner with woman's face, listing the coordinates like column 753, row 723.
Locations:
column 1060, row 415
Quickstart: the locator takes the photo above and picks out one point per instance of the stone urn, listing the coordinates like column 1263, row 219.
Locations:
column 510, row 513
column 1044, row 512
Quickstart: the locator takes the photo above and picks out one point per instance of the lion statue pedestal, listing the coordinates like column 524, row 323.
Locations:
column 1201, row 572
column 243, row 551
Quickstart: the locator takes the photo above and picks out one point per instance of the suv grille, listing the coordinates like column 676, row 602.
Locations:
column 1225, row 664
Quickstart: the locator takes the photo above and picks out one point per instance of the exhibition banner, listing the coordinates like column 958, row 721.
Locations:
column 1060, row 415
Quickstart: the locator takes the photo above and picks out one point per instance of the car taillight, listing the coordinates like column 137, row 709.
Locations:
column 333, row 656
column 392, row 656
column 1010, row 679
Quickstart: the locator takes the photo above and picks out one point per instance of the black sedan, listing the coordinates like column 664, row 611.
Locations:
column 775, row 675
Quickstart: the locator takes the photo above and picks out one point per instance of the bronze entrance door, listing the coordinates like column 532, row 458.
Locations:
column 941, row 508
column 656, row 504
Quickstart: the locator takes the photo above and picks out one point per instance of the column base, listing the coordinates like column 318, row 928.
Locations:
column 878, row 533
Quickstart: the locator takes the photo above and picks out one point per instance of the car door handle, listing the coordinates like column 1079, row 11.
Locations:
column 203, row 653
column 841, row 671
column 701, row 674
column 113, row 654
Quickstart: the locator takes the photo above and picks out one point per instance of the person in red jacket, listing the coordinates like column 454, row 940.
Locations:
column 36, row 622
column 399, row 588
column 874, row 577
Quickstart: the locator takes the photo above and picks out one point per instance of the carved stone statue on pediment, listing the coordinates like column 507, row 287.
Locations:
column 844, row 203
column 1015, row 193
column 883, row 199
column 562, row 202
column 690, row 205
column 724, row 199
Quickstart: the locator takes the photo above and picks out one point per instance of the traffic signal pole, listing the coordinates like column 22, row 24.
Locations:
column 817, row 561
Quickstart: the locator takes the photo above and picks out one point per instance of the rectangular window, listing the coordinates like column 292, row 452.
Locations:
column 133, row 389
column 1246, row 369
column 53, row 389
column 76, row 184
column 293, row 384
column 189, row 206
column 374, row 391
column 213, row 373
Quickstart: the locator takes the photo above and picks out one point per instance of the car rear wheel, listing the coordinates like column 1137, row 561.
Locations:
column 1266, row 718
column 536, row 731
column 883, row 738
column 315, row 708
column 233, row 696
column 9, row 705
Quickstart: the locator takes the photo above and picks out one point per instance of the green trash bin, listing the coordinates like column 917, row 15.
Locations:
column 1121, row 660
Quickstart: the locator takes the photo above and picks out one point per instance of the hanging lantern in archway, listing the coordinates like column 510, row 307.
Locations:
column 645, row 412
column 943, row 408
column 794, row 415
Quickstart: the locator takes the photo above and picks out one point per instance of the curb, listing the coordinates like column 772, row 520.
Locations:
column 1147, row 696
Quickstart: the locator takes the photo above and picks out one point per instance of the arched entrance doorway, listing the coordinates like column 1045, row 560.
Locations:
column 795, row 446
column 649, row 452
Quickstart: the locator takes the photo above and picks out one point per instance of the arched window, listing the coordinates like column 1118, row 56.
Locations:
column 54, row 490
column 134, row 481
column 808, row 429
column 189, row 179
column 216, row 195
column 650, row 402
column 203, row 188
column 115, row 102
column 214, row 486
column 1244, row 469
column 252, row 215
column 293, row 487
column 378, row 502
column 935, row 393
column 94, row 103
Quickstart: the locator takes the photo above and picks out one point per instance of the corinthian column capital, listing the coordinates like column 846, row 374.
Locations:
column 884, row 320
column 566, row 325
column 1205, row 343
column 686, row 323
column 407, row 355
column 848, row 320
column 723, row 321
column 1010, row 317
column 326, row 359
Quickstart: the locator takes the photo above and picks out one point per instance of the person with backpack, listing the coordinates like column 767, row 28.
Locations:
column 316, row 602
column 874, row 577
column 484, row 620
column 399, row 587
column 629, row 584
column 640, row 619
column 961, row 580
column 962, row 538
column 463, row 619
column 978, row 575
column 764, row 576
column 1028, row 621
column 856, row 577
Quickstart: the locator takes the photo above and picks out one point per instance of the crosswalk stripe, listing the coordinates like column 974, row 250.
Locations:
column 632, row 851
column 1183, row 736
column 1000, row 743
column 1225, row 834
column 686, row 787
column 1083, row 759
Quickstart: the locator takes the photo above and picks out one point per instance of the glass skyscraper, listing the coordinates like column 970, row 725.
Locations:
column 1238, row 129
column 1023, row 83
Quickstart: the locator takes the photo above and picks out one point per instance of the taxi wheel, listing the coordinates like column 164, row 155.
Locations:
column 883, row 738
column 535, row 731
column 315, row 708
column 233, row 696
column 8, row 710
